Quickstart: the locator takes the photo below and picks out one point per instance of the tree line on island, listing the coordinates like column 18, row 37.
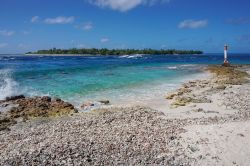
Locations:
column 105, row 51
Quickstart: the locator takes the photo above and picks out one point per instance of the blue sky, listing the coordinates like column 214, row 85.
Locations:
column 28, row 25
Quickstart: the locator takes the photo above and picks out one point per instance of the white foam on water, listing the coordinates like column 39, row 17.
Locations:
column 188, row 65
column 8, row 86
column 172, row 67
column 134, row 56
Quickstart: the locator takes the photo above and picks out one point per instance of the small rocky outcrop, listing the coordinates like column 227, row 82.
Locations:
column 41, row 107
column 223, row 77
column 229, row 75
column 32, row 107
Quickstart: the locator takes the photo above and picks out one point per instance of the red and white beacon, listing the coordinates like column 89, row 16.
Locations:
column 225, row 54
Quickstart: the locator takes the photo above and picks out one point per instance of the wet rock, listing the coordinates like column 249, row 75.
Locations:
column 40, row 107
column 46, row 99
column 87, row 105
column 104, row 102
column 14, row 97
column 21, row 109
column 57, row 99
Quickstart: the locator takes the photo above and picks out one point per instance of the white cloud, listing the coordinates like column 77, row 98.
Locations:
column 193, row 24
column 60, row 20
column 124, row 5
column 104, row 40
column 87, row 26
column 2, row 45
column 34, row 19
column 6, row 32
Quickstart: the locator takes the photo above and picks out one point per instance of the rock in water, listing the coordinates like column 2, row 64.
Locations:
column 15, row 97
column 104, row 102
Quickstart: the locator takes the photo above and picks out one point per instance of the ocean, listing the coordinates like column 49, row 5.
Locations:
column 79, row 79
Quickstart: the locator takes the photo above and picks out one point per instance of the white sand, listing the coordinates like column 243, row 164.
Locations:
column 221, row 144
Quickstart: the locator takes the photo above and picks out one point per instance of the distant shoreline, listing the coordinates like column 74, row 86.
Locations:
column 105, row 51
column 100, row 54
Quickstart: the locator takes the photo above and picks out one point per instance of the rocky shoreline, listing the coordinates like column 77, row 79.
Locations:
column 46, row 131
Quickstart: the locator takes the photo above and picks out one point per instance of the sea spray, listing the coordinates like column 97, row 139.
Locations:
column 8, row 86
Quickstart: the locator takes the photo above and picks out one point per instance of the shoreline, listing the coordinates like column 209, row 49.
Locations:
column 198, row 125
column 146, row 95
column 99, row 55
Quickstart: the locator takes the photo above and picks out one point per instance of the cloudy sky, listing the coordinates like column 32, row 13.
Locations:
column 28, row 25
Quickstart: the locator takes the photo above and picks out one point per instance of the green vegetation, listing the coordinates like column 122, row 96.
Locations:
column 104, row 51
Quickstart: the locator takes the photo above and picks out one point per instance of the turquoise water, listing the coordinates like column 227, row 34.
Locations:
column 78, row 79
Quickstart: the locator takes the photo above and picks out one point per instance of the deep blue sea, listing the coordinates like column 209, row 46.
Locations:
column 78, row 79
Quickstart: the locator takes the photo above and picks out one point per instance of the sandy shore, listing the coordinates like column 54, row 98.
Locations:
column 204, row 122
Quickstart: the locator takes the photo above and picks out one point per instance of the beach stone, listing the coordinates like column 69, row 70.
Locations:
column 179, row 93
column 87, row 105
column 185, row 90
column 171, row 96
column 198, row 110
column 201, row 100
column 104, row 102
column 222, row 87
column 4, row 105
column 181, row 101
column 193, row 148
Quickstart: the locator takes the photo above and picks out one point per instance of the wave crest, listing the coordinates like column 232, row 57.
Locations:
column 8, row 86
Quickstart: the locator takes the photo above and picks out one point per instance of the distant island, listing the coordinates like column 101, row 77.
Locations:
column 105, row 51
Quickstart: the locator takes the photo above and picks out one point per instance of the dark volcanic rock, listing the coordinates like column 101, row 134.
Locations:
column 14, row 97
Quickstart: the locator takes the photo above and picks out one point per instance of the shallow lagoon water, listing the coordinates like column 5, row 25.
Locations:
column 117, row 78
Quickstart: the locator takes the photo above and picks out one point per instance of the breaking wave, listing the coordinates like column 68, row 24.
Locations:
column 8, row 86
column 134, row 56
